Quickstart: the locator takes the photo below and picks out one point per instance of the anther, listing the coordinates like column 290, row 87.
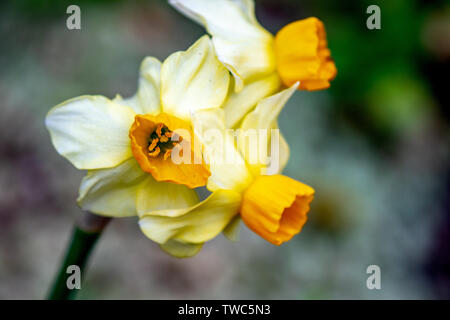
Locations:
column 155, row 153
column 153, row 144
column 160, row 141
column 158, row 129
column 167, row 154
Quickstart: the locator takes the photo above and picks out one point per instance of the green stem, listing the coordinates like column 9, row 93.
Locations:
column 84, row 237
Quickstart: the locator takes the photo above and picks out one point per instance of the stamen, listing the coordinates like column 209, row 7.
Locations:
column 158, row 129
column 167, row 154
column 153, row 144
column 160, row 141
column 155, row 153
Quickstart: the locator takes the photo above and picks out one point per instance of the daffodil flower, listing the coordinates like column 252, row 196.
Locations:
column 127, row 144
column 259, row 61
column 274, row 206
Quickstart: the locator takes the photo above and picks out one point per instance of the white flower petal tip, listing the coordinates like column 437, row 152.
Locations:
column 147, row 98
column 239, row 104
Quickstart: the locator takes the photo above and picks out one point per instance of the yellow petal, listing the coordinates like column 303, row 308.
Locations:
column 154, row 196
column 181, row 249
column 228, row 168
column 240, row 103
column 264, row 117
column 240, row 42
column 146, row 100
column 275, row 207
column 196, row 224
column 302, row 55
column 192, row 80
column 91, row 131
column 112, row 192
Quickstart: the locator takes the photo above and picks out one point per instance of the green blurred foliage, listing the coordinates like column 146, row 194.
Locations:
column 371, row 63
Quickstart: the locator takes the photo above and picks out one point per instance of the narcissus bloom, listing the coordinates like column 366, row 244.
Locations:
column 128, row 145
column 274, row 206
column 257, row 59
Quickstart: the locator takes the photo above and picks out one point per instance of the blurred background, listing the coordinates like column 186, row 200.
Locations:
column 375, row 147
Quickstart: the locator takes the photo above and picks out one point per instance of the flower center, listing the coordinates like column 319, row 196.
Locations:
column 153, row 139
column 162, row 140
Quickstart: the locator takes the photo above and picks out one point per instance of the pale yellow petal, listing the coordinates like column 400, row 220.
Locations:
column 267, row 110
column 240, row 42
column 193, row 80
column 196, row 224
column 238, row 104
column 262, row 124
column 167, row 197
column 91, row 131
column 228, row 168
column 112, row 192
column 231, row 231
column 147, row 99
column 181, row 249
column 284, row 151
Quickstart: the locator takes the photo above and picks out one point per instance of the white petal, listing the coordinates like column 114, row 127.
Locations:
column 228, row 168
column 240, row 42
column 248, row 7
column 193, row 80
column 112, row 192
column 164, row 198
column 91, row 131
column 146, row 100
column 196, row 224
column 240, row 103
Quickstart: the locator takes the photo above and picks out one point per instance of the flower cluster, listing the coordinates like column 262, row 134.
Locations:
column 146, row 155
